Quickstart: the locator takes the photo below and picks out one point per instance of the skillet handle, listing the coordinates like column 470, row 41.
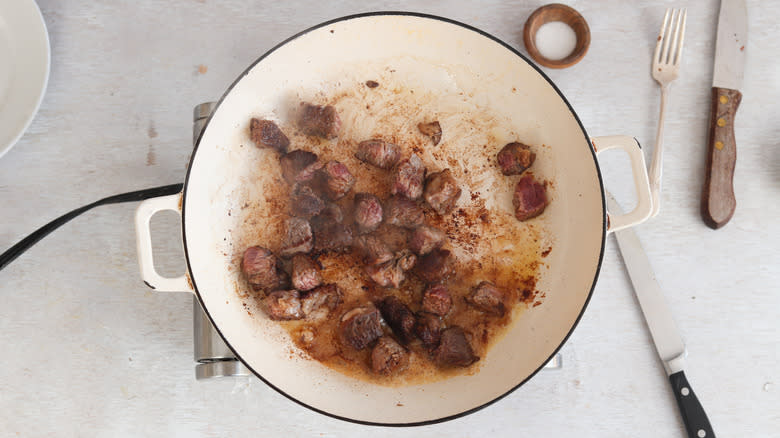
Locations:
column 644, row 205
column 143, row 238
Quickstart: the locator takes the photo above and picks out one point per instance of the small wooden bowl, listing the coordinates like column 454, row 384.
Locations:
column 565, row 14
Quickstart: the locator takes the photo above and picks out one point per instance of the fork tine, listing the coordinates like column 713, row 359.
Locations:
column 682, row 38
column 673, row 45
column 659, row 44
column 668, row 37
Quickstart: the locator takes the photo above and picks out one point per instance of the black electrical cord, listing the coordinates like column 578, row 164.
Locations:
column 139, row 195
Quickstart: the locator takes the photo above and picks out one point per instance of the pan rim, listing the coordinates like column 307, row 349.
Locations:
column 468, row 27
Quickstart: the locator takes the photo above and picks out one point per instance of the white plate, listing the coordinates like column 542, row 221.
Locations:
column 24, row 67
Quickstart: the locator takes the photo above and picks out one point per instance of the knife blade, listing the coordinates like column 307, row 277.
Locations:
column 666, row 337
column 718, row 201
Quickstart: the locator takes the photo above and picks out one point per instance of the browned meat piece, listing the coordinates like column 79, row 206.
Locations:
column 322, row 121
column 409, row 178
column 299, row 166
column 388, row 357
column 265, row 133
column 361, row 326
column 432, row 130
column 454, row 349
column 488, row 298
column 530, row 198
column 380, row 153
column 425, row 239
column 283, row 283
column 283, row 305
column 398, row 317
column 373, row 249
column 437, row 300
column 329, row 232
column 298, row 237
column 333, row 237
column 428, row 328
column 304, row 202
column 405, row 259
column 435, row 266
column 368, row 212
column 305, row 273
column 331, row 213
column 441, row 191
column 393, row 272
column 387, row 274
column 261, row 269
column 334, row 180
column 396, row 238
column 514, row 158
column 402, row 212
column 317, row 304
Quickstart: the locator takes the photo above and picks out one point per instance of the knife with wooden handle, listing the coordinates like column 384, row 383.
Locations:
column 666, row 336
column 718, row 202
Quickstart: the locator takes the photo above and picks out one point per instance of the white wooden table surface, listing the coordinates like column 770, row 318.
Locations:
column 88, row 350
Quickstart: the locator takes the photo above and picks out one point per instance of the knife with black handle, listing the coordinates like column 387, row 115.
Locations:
column 718, row 201
column 666, row 336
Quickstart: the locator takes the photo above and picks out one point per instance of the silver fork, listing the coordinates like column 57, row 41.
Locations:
column 666, row 68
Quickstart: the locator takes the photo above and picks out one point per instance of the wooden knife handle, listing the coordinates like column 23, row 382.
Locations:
column 717, row 201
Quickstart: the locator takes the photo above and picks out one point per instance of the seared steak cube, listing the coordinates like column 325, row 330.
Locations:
column 368, row 212
column 432, row 130
column 388, row 357
column 304, row 202
column 298, row 237
column 530, row 198
column 332, row 237
column 387, row 274
column 437, row 300
column 393, row 272
column 425, row 239
column 361, row 326
column 305, row 273
column 380, row 153
column 334, row 180
column 373, row 249
column 441, row 191
column 261, row 269
column 402, row 212
column 409, row 178
column 299, row 166
column 405, row 259
column 514, row 158
column 329, row 232
column 454, row 349
column 398, row 317
column 317, row 304
column 265, row 133
column 428, row 328
column 396, row 238
column 331, row 213
column 321, row 121
column 488, row 298
column 283, row 305
column 435, row 266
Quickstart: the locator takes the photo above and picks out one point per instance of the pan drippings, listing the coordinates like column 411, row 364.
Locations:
column 484, row 243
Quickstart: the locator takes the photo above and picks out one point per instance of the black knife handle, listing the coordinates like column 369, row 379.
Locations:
column 696, row 422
